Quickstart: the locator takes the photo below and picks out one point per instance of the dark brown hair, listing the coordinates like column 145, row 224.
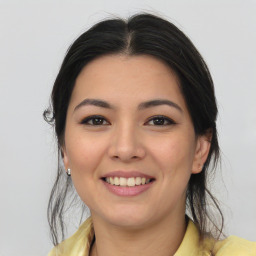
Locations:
column 154, row 36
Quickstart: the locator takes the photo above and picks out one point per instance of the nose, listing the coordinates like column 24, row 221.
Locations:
column 126, row 144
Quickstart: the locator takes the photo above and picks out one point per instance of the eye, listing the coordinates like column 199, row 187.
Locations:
column 161, row 121
column 94, row 120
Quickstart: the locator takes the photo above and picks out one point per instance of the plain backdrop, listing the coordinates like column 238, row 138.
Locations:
column 34, row 36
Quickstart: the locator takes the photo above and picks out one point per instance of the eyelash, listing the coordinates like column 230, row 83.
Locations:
column 169, row 120
column 87, row 119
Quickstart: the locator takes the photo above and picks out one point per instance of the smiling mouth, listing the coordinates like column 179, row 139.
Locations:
column 127, row 182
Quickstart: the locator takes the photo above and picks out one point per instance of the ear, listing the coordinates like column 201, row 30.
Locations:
column 203, row 146
column 64, row 157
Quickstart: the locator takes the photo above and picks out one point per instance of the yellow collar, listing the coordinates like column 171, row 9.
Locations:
column 79, row 244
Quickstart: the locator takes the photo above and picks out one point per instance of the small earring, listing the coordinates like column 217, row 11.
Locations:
column 201, row 166
column 68, row 172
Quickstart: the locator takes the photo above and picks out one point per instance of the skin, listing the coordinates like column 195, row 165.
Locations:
column 153, row 222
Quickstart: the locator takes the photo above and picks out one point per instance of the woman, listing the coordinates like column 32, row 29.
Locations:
column 134, row 112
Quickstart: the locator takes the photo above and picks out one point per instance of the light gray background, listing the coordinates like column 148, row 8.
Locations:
column 34, row 36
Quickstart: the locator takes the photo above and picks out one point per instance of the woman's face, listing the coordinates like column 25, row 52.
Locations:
column 127, row 123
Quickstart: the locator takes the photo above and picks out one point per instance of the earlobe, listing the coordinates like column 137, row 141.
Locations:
column 202, row 150
column 65, row 158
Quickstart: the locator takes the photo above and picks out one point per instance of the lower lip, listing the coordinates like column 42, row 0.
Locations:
column 127, row 191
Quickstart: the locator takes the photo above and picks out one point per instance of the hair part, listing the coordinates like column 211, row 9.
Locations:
column 142, row 34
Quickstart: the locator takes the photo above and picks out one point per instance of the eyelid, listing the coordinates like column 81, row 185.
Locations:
column 171, row 121
column 89, row 118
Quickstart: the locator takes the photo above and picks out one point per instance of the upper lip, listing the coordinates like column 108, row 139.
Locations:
column 127, row 174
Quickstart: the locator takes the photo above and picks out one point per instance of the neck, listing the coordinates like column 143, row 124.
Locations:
column 162, row 239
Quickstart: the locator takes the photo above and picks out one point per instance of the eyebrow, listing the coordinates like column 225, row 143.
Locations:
column 158, row 102
column 94, row 102
column 141, row 106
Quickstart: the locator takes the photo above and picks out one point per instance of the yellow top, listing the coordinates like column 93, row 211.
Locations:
column 79, row 244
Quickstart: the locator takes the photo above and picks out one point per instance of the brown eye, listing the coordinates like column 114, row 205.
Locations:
column 161, row 121
column 94, row 120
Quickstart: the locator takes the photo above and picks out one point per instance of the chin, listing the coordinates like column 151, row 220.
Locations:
column 132, row 218
column 128, row 223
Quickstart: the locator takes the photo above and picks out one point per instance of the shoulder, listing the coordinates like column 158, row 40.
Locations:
column 76, row 245
column 231, row 246
column 235, row 246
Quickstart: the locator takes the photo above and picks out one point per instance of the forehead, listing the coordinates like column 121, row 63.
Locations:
column 125, row 79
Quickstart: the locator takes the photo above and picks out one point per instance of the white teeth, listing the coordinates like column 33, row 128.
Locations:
column 124, row 182
column 131, row 182
column 117, row 181
column 138, row 181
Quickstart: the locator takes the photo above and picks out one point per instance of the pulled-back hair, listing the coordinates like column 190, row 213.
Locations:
column 142, row 34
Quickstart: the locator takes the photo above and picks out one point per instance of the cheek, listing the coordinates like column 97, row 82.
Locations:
column 84, row 153
column 174, row 152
